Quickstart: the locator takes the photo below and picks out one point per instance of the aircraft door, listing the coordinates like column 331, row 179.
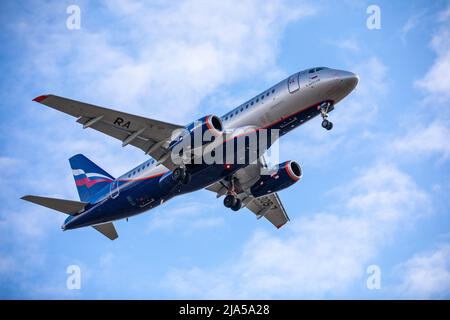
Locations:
column 114, row 189
column 293, row 83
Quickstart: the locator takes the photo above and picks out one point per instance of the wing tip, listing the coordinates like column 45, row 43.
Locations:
column 41, row 98
column 280, row 225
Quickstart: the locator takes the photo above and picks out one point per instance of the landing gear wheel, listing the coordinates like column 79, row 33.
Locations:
column 179, row 174
column 229, row 201
column 324, row 109
column 237, row 205
column 327, row 124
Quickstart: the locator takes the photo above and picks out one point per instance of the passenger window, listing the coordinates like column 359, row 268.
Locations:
column 252, row 103
column 257, row 100
column 273, row 90
column 262, row 97
column 246, row 107
column 242, row 109
column 267, row 94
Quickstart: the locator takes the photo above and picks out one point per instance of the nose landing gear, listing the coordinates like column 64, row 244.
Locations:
column 324, row 109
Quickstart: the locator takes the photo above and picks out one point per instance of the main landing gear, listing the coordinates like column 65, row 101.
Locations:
column 180, row 174
column 324, row 109
column 231, row 200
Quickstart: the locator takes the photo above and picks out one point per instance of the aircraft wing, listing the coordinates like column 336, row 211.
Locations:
column 268, row 206
column 151, row 136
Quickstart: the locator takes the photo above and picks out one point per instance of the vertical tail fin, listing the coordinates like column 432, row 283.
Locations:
column 89, row 178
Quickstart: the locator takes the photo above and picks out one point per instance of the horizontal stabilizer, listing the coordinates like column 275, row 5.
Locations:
column 107, row 229
column 66, row 206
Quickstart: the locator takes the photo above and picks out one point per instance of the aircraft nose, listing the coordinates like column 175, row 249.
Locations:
column 348, row 80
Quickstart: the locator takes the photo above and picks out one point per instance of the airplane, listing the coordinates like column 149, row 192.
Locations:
column 242, row 181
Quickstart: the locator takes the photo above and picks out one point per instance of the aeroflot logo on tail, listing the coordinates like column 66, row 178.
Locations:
column 241, row 146
column 88, row 179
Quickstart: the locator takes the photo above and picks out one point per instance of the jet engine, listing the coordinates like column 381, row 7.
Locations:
column 202, row 129
column 281, row 176
column 196, row 134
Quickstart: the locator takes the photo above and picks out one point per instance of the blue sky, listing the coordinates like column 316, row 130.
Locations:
column 375, row 189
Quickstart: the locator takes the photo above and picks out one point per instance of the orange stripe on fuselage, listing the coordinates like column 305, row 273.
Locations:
column 144, row 178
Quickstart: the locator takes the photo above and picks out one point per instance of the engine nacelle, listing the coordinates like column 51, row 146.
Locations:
column 197, row 134
column 284, row 175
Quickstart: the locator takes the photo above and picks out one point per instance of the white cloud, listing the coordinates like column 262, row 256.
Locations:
column 445, row 14
column 350, row 44
column 191, row 216
column 106, row 261
column 315, row 256
column 32, row 225
column 426, row 275
column 410, row 24
column 165, row 57
column 423, row 141
column 436, row 81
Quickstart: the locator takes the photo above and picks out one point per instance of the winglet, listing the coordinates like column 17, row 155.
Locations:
column 40, row 98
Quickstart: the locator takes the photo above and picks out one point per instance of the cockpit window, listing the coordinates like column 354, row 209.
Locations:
column 315, row 69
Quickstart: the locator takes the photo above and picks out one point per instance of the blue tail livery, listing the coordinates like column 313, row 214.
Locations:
column 89, row 178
